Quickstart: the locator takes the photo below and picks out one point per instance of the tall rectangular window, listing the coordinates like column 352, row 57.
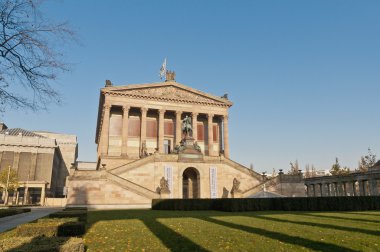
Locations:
column 169, row 128
column 151, row 128
column 134, row 127
column 201, row 132
column 215, row 132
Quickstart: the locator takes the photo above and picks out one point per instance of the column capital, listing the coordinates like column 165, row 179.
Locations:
column 194, row 113
column 210, row 116
column 161, row 111
column 225, row 117
column 178, row 112
column 126, row 108
column 143, row 109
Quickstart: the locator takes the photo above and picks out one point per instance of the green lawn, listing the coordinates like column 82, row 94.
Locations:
column 148, row 230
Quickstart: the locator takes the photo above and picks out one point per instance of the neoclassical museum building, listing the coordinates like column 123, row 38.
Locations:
column 160, row 140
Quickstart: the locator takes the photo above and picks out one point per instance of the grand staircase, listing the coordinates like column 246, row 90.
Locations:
column 129, row 185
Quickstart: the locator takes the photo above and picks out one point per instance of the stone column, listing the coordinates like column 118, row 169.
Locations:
column 17, row 196
column 161, row 128
column 336, row 185
column 124, row 144
column 327, row 187
column 361, row 188
column 194, row 125
column 178, row 127
column 354, row 193
column 210, row 134
column 307, row 190
column 373, row 187
column 345, row 193
column 26, row 195
column 322, row 189
column 143, row 125
column 105, row 129
column 314, row 192
column 225, row 137
column 42, row 201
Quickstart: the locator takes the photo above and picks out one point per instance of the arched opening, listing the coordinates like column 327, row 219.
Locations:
column 190, row 183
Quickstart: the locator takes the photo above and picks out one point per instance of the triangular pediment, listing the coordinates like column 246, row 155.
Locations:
column 167, row 91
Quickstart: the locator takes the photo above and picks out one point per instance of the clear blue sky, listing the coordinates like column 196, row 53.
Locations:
column 304, row 76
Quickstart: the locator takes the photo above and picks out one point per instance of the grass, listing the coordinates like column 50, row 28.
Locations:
column 47, row 234
column 148, row 230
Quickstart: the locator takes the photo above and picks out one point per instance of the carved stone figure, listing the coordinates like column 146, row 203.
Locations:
column 235, row 186
column 108, row 83
column 186, row 126
column 164, row 185
column 144, row 150
column 197, row 147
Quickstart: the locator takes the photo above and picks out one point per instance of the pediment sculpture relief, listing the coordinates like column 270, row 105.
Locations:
column 169, row 92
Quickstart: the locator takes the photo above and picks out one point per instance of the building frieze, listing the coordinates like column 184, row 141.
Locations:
column 167, row 93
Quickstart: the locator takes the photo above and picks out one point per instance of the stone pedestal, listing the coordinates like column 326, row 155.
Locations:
column 237, row 194
column 165, row 195
column 189, row 151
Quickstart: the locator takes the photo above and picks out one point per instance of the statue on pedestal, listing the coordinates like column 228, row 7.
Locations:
column 235, row 186
column 164, row 185
column 144, row 150
column 186, row 126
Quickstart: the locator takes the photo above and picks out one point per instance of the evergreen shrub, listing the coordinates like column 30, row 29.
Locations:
column 349, row 203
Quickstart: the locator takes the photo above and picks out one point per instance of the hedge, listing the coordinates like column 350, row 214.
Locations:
column 26, row 205
column 80, row 214
column 43, row 244
column 9, row 212
column 358, row 203
column 51, row 229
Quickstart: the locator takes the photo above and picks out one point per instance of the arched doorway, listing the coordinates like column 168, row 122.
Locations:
column 190, row 183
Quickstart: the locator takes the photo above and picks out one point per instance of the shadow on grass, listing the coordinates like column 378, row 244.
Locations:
column 310, row 244
column 321, row 225
column 338, row 217
column 171, row 239
column 176, row 242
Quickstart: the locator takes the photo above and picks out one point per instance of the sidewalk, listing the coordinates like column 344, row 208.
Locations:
column 13, row 221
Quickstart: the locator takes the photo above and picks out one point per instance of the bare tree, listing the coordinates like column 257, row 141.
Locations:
column 307, row 171
column 367, row 161
column 294, row 168
column 29, row 55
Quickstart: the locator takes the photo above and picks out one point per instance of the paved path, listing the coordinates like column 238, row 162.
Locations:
column 13, row 221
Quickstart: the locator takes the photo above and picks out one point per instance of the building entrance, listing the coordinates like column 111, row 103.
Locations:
column 190, row 183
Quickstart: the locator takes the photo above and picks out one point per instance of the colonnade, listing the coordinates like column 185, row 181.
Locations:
column 360, row 187
column 161, row 115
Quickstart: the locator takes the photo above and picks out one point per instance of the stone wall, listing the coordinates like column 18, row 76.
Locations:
column 140, row 181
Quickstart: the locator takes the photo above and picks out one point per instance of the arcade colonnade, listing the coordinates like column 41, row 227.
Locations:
column 354, row 184
column 179, row 115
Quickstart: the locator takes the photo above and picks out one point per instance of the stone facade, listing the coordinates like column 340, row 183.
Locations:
column 139, row 130
column 41, row 159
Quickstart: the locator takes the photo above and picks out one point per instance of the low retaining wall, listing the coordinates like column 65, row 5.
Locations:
column 267, row 204
column 55, row 202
